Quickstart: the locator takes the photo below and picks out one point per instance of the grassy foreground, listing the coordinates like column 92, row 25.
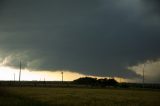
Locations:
column 77, row 97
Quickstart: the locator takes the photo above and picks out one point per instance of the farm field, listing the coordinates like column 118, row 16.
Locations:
column 32, row 96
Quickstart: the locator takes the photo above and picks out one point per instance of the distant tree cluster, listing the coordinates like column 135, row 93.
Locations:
column 96, row 82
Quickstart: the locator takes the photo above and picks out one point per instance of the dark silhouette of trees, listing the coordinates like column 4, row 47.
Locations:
column 86, row 81
column 112, row 82
column 96, row 82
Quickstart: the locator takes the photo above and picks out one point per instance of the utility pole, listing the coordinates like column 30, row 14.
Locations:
column 20, row 71
column 62, row 76
column 44, row 81
column 143, row 75
column 14, row 77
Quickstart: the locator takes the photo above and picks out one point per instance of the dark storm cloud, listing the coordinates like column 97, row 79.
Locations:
column 154, row 4
column 92, row 37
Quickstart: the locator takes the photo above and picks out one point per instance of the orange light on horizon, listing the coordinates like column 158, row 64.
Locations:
column 8, row 73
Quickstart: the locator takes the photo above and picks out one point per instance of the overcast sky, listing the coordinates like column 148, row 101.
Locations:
column 92, row 37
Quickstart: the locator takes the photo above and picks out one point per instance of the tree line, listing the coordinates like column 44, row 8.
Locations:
column 96, row 82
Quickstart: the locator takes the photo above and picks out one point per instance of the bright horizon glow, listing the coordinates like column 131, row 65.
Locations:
column 7, row 73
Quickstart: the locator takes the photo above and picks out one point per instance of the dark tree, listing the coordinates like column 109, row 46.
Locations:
column 112, row 82
column 96, row 82
column 86, row 81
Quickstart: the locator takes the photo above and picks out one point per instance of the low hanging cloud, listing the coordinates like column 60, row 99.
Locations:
column 150, row 68
column 94, row 37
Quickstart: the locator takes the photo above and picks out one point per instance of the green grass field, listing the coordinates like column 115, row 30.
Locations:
column 77, row 97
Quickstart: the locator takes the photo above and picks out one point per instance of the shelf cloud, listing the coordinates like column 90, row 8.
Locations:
column 93, row 37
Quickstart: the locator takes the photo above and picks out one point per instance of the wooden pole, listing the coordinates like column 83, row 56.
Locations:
column 20, row 72
column 143, row 75
column 14, row 77
column 62, row 76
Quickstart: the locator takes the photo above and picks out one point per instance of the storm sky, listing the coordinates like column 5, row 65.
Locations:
column 92, row 37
